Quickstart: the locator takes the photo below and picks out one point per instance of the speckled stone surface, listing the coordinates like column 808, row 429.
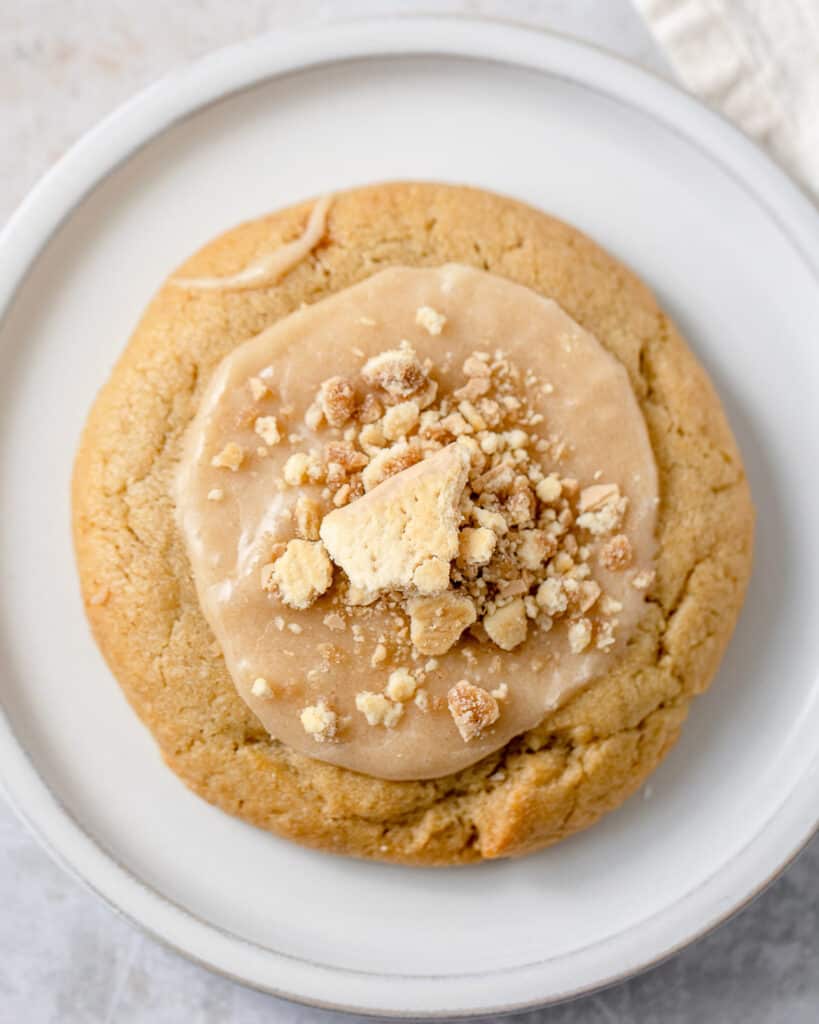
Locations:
column 64, row 956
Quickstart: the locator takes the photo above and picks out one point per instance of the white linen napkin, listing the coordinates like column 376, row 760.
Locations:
column 757, row 61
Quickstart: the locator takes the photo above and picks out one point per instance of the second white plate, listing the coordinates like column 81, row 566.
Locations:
column 730, row 247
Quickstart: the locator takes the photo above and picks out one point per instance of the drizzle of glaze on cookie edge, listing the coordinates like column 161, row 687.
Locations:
column 270, row 268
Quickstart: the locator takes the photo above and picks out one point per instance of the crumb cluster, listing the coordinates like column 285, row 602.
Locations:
column 443, row 508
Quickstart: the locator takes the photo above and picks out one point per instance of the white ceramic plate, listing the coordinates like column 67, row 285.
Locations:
column 730, row 246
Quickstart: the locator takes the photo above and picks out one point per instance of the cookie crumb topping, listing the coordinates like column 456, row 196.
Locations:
column 397, row 373
column 643, row 580
column 401, row 685
column 443, row 507
column 258, row 388
column 436, row 623
column 616, row 554
column 319, row 721
column 268, row 430
column 378, row 709
column 473, row 710
column 337, row 400
column 580, row 634
column 230, row 457
column 261, row 688
column 430, row 319
column 421, row 515
column 507, row 626
column 301, row 574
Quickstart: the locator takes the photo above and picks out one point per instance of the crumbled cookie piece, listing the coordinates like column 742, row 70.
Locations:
column 549, row 489
column 603, row 520
column 497, row 480
column 319, row 721
column 552, row 597
column 371, row 438
column 597, row 495
column 308, row 517
column 616, row 554
column 473, row 710
column 398, row 372
column 302, row 574
column 430, row 319
column 370, row 409
column 580, row 634
column 338, row 401
column 431, row 576
column 476, row 545
column 436, row 623
column 511, row 588
column 534, row 548
column 381, row 539
column 230, row 457
column 258, row 388
column 507, row 626
column 471, row 415
column 587, row 594
column 301, row 468
column 473, row 390
column 399, row 420
column 455, row 425
column 609, row 606
column 500, row 692
column 602, row 509
column 379, row 655
column 268, row 430
column 491, row 520
column 389, row 462
column 401, row 685
column 643, row 580
column 475, row 366
column 378, row 709
column 314, row 417
column 605, row 636
column 342, row 496
column 563, row 562
column 515, row 439
column 261, row 689
column 344, row 455
column 521, row 506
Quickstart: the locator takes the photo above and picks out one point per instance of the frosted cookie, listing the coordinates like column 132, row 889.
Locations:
column 415, row 540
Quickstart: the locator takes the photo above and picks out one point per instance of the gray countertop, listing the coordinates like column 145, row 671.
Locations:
column 66, row 957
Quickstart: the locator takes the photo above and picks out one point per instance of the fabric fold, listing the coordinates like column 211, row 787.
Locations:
column 756, row 61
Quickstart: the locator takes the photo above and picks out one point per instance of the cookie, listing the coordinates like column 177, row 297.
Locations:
column 587, row 756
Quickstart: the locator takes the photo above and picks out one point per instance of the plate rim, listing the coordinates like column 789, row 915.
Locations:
column 226, row 72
